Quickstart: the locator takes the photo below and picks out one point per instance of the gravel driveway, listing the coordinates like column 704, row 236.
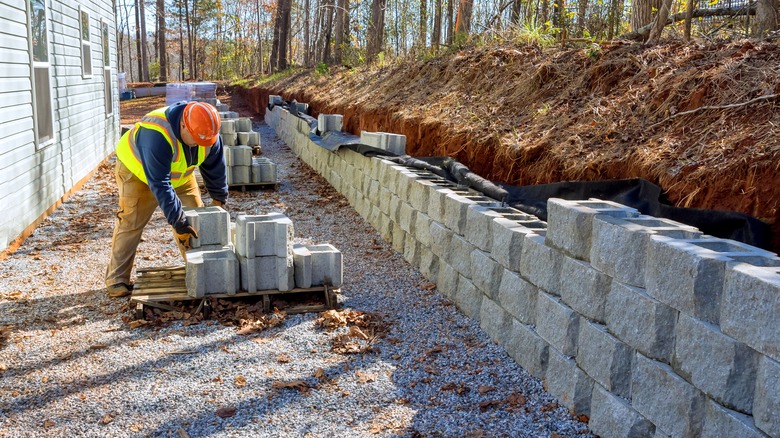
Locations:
column 70, row 365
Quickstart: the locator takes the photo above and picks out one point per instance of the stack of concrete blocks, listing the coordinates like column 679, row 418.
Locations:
column 393, row 143
column 212, row 267
column 329, row 122
column 643, row 324
column 241, row 167
column 265, row 251
column 263, row 170
column 317, row 265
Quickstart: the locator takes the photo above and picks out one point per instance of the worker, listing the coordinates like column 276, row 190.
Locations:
column 155, row 164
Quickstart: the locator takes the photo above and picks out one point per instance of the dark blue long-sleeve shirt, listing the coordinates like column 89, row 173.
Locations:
column 156, row 157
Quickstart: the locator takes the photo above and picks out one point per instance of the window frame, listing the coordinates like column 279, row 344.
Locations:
column 40, row 65
column 108, row 91
column 85, row 44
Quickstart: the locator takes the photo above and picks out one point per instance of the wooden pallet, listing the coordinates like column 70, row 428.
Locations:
column 161, row 287
column 260, row 185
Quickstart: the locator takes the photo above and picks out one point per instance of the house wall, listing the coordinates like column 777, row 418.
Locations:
column 644, row 325
column 35, row 178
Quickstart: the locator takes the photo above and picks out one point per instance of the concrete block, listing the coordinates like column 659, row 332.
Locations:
column 721, row 367
column 264, row 171
column 666, row 399
column 327, row 265
column 568, row 383
column 373, row 192
column 508, row 235
column 720, row 421
column 227, row 127
column 394, row 143
column 264, row 235
column 528, row 349
column 302, row 265
column 385, row 196
column 612, row 416
column 422, row 229
column 460, row 255
column 518, row 297
column 495, row 321
column 240, row 174
column 688, row 274
column 651, row 325
column 302, row 108
column 274, row 99
column 242, row 156
column 211, row 272
column 399, row 238
column 751, row 307
column 604, row 358
column 221, row 107
column 468, row 298
column 570, row 223
column 419, row 194
column 766, row 404
column 486, row 273
column 619, row 246
column 429, row 264
column 447, row 279
column 211, row 223
column 243, row 124
column 267, row 273
column 230, row 138
column 405, row 179
column 329, row 122
column 441, row 237
column 584, row 288
column 455, row 212
column 242, row 138
column 540, row 264
column 406, row 217
column 253, row 139
column 436, row 199
column 374, row 216
column 479, row 225
column 557, row 324
column 411, row 250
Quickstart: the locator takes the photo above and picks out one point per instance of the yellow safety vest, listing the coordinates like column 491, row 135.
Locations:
column 127, row 150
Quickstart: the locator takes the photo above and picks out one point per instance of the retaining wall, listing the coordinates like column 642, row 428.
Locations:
column 644, row 325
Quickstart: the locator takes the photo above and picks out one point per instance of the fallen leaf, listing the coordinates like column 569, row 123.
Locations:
column 485, row 389
column 345, row 393
column 217, row 379
column 395, row 356
column 300, row 385
column 48, row 423
column 489, row 404
column 136, row 427
column 226, row 412
column 240, row 381
column 355, row 332
column 45, row 379
column 583, row 418
column 106, row 419
column 403, row 401
column 448, row 386
column 428, row 286
column 364, row 377
column 283, row 358
column 319, row 374
column 138, row 323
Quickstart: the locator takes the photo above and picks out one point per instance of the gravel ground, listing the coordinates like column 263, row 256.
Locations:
column 70, row 365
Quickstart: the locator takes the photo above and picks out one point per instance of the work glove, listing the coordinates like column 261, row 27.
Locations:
column 218, row 203
column 183, row 234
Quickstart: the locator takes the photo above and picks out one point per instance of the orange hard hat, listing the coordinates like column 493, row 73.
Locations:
column 203, row 122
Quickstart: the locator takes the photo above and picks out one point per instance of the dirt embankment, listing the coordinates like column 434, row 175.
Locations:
column 703, row 122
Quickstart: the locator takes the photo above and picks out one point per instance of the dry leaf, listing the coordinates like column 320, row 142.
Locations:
column 448, row 386
column 355, row 332
column 583, row 418
column 365, row 377
column 226, row 412
column 48, row 423
column 428, row 286
column 283, row 358
column 300, row 385
column 319, row 374
column 136, row 427
column 240, row 381
column 106, row 419
column 486, row 389
column 138, row 323
column 45, row 379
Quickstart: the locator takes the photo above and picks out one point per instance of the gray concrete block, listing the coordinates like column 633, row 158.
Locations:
column 441, row 237
column 447, row 282
column 211, row 272
column 302, row 108
column 751, row 307
column 374, row 217
column 253, row 139
column 393, row 143
column 570, row 223
column 479, row 225
column 302, row 265
column 468, row 298
column 460, row 255
column 528, row 349
column 242, row 138
column 436, row 203
column 612, row 416
column 274, row 99
column 429, row 264
column 405, row 179
column 240, row 174
column 242, row 156
column 373, row 192
column 641, row 321
column 455, row 210
column 264, row 172
column 227, row 152
column 419, row 194
column 486, row 273
column 264, row 235
column 212, row 225
column 666, row 399
column 406, row 217
column 227, row 127
column 568, row 383
column 766, row 404
column 327, row 265
column 604, row 358
column 518, row 297
column 385, row 196
column 267, row 273
column 541, row 264
column 399, row 238
column 329, row 122
column 243, row 124
column 411, row 250
column 495, row 321
column 557, row 324
column 229, row 139
column 688, row 274
column 723, row 422
column 584, row 289
column 422, row 229
column 508, row 237
column 395, row 208
column 721, row 367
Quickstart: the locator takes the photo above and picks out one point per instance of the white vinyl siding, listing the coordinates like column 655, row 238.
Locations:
column 34, row 176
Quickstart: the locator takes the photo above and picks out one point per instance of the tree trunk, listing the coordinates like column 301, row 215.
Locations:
column 140, row 77
column 545, row 11
column 181, row 44
column 641, row 33
column 767, row 17
column 189, row 37
column 195, row 63
column 450, row 21
column 582, row 10
column 659, row 23
column 144, row 56
column 328, row 32
column 436, row 37
column 463, row 22
column 274, row 61
column 423, row 23
column 642, row 12
column 376, row 29
column 306, row 34
column 162, row 30
column 517, row 6
column 338, row 40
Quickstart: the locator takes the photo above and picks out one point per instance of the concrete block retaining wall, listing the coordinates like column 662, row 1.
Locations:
column 643, row 324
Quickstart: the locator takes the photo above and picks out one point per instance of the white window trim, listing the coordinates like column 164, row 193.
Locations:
column 106, row 45
column 89, row 74
column 48, row 65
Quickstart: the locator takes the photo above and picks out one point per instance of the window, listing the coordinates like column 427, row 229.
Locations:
column 86, row 46
column 43, row 110
column 108, row 95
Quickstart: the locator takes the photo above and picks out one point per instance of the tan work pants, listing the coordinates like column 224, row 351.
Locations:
column 136, row 206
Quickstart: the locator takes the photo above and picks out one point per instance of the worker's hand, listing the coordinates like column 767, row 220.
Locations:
column 183, row 234
column 218, row 203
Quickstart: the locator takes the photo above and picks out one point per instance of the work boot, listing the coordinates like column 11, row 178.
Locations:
column 119, row 290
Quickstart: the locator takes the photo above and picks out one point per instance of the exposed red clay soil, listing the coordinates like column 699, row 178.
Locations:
column 522, row 115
